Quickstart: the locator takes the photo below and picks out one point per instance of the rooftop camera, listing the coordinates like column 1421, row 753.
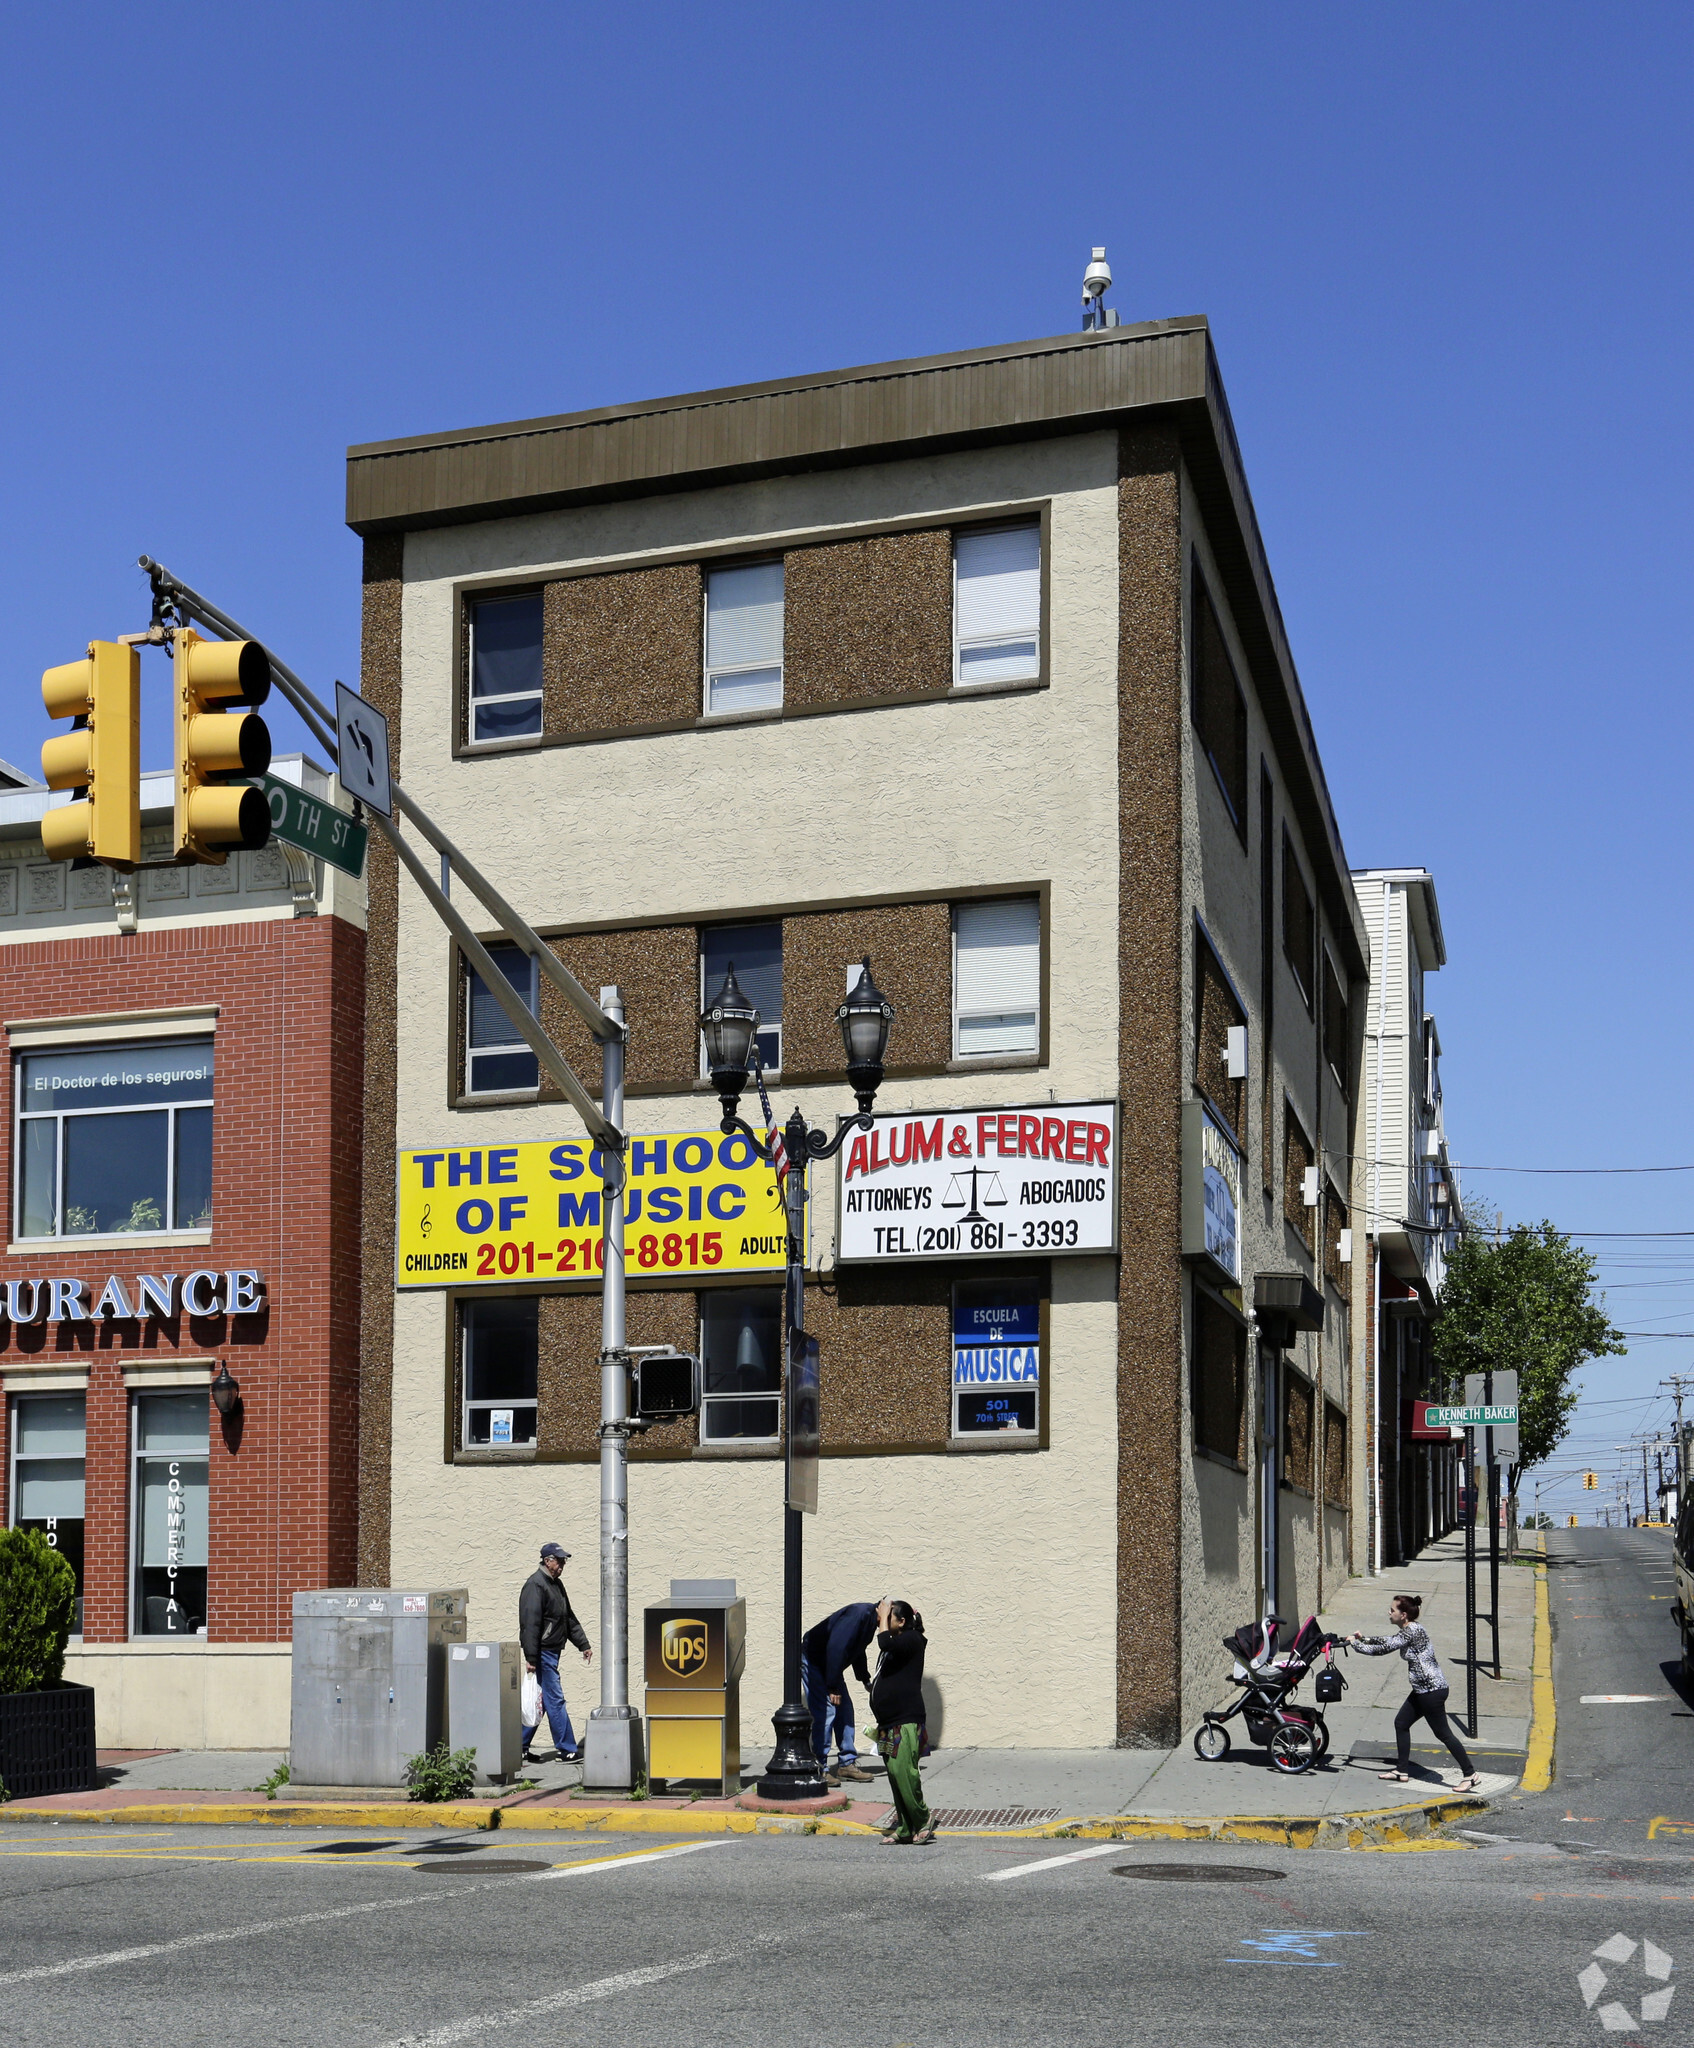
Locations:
column 1096, row 278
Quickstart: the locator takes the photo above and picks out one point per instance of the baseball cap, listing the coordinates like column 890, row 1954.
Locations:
column 557, row 1550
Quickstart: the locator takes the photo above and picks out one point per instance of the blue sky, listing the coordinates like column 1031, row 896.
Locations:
column 1446, row 258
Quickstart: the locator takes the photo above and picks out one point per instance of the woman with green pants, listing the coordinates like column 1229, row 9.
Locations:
column 897, row 1703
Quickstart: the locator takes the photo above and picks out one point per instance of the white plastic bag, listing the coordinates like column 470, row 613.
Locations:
column 531, row 1710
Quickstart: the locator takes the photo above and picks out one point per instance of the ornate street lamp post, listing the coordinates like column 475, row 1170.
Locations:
column 730, row 1026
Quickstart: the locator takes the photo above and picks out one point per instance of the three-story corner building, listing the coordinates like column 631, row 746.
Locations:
column 971, row 665
column 1412, row 1214
column 181, row 1154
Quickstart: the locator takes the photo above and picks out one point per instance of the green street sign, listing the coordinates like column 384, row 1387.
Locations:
column 315, row 827
column 1499, row 1415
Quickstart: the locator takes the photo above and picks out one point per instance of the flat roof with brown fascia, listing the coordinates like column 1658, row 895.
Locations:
column 878, row 412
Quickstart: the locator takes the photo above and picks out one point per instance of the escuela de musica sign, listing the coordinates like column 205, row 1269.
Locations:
column 160, row 1297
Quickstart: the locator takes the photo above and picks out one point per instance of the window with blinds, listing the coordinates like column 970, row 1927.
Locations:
column 498, row 1061
column 755, row 952
column 744, row 638
column 996, row 978
column 997, row 605
column 505, row 646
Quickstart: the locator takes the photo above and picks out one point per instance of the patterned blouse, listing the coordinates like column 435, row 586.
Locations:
column 1413, row 1644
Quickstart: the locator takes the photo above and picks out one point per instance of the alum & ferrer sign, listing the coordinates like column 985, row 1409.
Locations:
column 695, row 1202
column 981, row 1183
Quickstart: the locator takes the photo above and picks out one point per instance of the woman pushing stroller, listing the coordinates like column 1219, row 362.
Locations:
column 1427, row 1699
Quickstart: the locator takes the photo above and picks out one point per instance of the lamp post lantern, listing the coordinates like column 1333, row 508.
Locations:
column 730, row 1025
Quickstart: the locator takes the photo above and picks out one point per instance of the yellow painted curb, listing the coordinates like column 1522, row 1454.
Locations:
column 1543, row 1711
column 265, row 1814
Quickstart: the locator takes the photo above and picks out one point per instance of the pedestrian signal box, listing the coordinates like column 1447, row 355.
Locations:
column 667, row 1386
column 220, row 743
column 1591, row 1480
column 100, row 758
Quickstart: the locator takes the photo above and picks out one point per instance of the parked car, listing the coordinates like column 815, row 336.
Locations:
column 1682, row 1548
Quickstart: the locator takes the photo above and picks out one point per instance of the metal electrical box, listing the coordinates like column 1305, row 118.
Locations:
column 485, row 1707
column 696, row 1645
column 370, row 1681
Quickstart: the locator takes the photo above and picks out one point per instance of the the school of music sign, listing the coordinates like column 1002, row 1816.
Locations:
column 981, row 1183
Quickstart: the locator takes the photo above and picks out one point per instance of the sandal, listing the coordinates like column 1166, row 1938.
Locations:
column 924, row 1836
column 1396, row 1777
column 1471, row 1784
column 896, row 1841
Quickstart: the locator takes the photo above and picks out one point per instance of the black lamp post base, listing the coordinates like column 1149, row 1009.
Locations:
column 793, row 1772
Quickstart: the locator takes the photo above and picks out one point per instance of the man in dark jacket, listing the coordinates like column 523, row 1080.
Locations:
column 546, row 1623
column 836, row 1645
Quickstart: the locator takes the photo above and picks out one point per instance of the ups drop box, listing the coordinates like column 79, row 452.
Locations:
column 695, row 1646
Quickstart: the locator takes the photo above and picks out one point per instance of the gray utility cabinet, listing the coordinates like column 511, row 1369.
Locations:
column 485, row 1707
column 370, row 1681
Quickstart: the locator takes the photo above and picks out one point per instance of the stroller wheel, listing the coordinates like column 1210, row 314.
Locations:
column 1321, row 1727
column 1211, row 1741
column 1293, row 1747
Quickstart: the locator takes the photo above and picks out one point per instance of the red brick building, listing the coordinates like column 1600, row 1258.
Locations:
column 185, row 1048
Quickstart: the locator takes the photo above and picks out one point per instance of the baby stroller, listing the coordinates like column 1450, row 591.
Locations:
column 1294, row 1736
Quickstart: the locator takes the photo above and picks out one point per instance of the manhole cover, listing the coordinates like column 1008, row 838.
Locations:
column 348, row 1848
column 1197, row 1873
column 511, row 1863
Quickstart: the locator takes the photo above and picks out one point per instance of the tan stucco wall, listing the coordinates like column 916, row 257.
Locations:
column 1010, row 1555
column 186, row 1695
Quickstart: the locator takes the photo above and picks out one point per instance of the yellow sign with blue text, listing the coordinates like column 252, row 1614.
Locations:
column 696, row 1202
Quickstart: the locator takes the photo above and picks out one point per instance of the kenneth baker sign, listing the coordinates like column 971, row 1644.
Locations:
column 981, row 1183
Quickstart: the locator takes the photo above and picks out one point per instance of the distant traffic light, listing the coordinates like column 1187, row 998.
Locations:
column 101, row 758
column 217, row 747
column 1591, row 1480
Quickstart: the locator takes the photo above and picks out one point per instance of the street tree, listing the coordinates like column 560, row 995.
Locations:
column 1523, row 1301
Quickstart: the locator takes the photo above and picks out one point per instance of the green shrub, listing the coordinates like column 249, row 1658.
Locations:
column 441, row 1773
column 37, row 1606
column 277, row 1779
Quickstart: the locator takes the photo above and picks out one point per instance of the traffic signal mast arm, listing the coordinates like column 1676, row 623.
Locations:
column 321, row 725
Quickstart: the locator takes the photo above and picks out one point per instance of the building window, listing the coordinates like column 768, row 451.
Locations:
column 1299, row 922
column 497, row 1061
column 1296, row 1429
column 500, row 1352
column 996, row 978
column 506, row 667
column 1299, row 1168
column 1334, row 1455
column 1218, row 707
column 997, row 605
column 1335, row 1024
column 755, row 952
column 744, row 638
column 49, row 1461
column 172, row 1434
column 1337, row 1236
column 1218, row 1011
column 996, row 1358
column 115, row 1139
column 741, row 1365
column 1219, row 1377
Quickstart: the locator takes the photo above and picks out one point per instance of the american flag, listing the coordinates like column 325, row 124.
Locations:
column 773, row 1137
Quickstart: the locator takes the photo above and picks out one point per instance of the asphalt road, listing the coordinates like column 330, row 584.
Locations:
column 186, row 1936
column 1623, row 1767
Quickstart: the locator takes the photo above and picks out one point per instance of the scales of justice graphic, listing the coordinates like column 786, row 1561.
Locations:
column 991, row 1196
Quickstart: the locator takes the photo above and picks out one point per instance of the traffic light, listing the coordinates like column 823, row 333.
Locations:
column 100, row 759
column 1571, row 1523
column 218, row 747
column 1591, row 1480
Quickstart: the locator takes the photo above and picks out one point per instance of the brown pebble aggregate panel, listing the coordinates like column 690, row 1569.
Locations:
column 658, row 970
column 1150, row 1377
column 1217, row 1013
column 379, row 681
column 1297, row 1159
column 621, row 650
column 568, row 1383
column 282, row 1472
column 866, row 619
column 911, row 954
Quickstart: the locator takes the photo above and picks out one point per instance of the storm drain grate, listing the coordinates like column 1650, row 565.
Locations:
column 1197, row 1873
column 990, row 1816
column 488, row 1863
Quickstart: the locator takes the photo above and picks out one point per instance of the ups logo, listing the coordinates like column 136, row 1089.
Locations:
column 682, row 1647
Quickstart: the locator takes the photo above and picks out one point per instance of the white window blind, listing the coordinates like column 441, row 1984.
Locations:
column 997, row 977
column 997, row 605
column 744, row 638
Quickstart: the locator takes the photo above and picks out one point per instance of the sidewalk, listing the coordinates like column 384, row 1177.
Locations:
column 1105, row 1791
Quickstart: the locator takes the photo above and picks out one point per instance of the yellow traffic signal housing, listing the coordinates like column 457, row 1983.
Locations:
column 1590, row 1480
column 218, row 748
column 101, row 758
